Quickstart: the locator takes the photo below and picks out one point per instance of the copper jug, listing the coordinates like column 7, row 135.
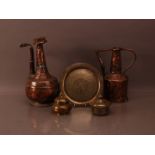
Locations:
column 116, row 83
column 41, row 87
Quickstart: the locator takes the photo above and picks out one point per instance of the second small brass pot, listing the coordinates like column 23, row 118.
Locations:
column 101, row 107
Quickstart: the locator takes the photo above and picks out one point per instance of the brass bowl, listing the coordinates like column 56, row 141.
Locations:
column 81, row 84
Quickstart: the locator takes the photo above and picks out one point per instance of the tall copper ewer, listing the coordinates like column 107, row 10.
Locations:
column 41, row 87
column 116, row 83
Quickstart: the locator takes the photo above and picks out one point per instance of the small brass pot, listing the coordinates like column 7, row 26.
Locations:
column 61, row 106
column 101, row 107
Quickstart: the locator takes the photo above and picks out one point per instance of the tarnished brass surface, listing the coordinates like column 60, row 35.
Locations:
column 61, row 106
column 41, row 87
column 101, row 106
column 81, row 84
column 116, row 83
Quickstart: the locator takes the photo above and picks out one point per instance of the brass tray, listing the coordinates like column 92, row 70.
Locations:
column 81, row 84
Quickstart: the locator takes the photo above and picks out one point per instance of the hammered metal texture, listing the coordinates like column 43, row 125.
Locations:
column 81, row 83
column 116, row 88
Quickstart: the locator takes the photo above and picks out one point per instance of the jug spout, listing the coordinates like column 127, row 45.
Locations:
column 116, row 65
column 32, row 59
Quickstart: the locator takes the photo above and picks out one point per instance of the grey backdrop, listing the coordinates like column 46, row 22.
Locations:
column 71, row 41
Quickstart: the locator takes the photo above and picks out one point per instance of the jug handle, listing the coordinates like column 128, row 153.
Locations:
column 133, row 59
column 32, row 59
column 100, row 59
column 125, row 49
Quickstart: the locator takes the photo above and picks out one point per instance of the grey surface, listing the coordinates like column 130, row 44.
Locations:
column 133, row 117
column 71, row 41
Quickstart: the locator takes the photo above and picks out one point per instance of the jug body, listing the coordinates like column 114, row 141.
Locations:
column 116, row 87
column 42, row 91
column 116, row 82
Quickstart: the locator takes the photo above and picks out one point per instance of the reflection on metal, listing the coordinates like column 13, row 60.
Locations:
column 116, row 83
column 41, row 87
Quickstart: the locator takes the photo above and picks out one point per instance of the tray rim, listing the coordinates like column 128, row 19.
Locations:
column 92, row 69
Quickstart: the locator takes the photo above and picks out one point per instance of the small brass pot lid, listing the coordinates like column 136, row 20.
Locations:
column 81, row 84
